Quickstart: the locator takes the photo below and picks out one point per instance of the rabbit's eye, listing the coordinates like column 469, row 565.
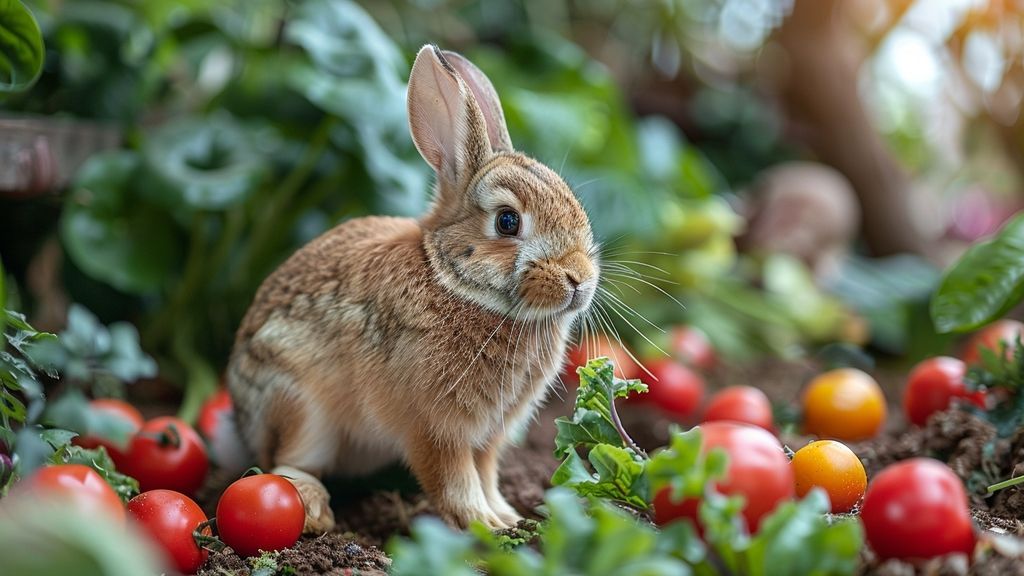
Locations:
column 507, row 222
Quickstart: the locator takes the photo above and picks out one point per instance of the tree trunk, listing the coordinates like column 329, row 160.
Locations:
column 819, row 91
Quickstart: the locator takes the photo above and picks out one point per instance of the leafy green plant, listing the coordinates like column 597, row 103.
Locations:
column 37, row 431
column 615, row 468
column 1000, row 371
column 590, row 530
column 21, row 47
column 984, row 284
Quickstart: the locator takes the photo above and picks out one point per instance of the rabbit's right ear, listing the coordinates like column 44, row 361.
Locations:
column 447, row 125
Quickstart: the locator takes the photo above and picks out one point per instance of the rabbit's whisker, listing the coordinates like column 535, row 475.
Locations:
column 616, row 301
column 658, row 288
column 636, row 263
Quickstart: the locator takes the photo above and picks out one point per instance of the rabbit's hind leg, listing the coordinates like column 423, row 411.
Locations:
column 304, row 449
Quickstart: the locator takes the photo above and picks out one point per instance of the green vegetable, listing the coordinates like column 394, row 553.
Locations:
column 984, row 284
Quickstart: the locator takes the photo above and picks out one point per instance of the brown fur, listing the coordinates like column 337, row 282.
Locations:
column 424, row 341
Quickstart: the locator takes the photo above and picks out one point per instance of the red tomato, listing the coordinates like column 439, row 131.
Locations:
column 677, row 390
column 167, row 453
column 213, row 412
column 113, row 408
column 261, row 512
column 990, row 337
column 740, row 404
column 693, row 348
column 594, row 347
column 932, row 385
column 79, row 485
column 758, row 470
column 169, row 518
column 917, row 508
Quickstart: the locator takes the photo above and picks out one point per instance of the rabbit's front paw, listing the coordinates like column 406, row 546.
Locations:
column 505, row 511
column 315, row 498
column 461, row 517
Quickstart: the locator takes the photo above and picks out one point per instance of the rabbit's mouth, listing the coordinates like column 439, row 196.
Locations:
column 580, row 298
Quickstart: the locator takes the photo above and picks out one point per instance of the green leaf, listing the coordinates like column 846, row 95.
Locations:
column 984, row 284
column 683, row 467
column 21, row 47
column 32, row 450
column 619, row 475
column 797, row 540
column 126, row 487
column 591, row 422
column 433, row 549
column 73, row 412
column 358, row 73
column 3, row 298
column 206, row 163
column 57, row 437
column 111, row 233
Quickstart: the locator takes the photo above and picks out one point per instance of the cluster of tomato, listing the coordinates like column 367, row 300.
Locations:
column 916, row 508
column 261, row 512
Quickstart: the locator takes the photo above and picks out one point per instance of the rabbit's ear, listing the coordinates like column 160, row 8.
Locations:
column 486, row 99
column 447, row 125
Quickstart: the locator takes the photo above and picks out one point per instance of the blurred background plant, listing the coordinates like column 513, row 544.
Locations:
column 231, row 133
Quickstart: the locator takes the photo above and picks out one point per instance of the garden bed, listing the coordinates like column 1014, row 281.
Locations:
column 367, row 520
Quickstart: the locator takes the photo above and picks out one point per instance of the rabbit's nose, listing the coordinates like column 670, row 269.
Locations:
column 573, row 281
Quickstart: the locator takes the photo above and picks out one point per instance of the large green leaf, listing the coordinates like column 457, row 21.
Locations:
column 111, row 234
column 984, row 284
column 21, row 47
column 203, row 163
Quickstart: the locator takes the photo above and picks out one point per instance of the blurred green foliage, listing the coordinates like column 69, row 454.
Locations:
column 44, row 538
column 253, row 126
column 21, row 47
column 87, row 356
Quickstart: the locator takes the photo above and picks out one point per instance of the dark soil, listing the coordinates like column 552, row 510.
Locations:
column 335, row 554
column 368, row 519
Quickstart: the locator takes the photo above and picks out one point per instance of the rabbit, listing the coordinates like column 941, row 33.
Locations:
column 426, row 341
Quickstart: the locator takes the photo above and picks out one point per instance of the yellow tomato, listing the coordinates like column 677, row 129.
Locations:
column 834, row 468
column 845, row 404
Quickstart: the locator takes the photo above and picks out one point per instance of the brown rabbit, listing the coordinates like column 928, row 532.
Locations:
column 425, row 341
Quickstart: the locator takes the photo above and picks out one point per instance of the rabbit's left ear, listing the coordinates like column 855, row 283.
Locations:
column 486, row 99
column 446, row 122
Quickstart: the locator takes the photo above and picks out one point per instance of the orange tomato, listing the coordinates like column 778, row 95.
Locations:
column 845, row 404
column 834, row 468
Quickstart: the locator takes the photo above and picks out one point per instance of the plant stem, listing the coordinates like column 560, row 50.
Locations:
column 1005, row 484
column 620, row 429
column 200, row 378
column 190, row 281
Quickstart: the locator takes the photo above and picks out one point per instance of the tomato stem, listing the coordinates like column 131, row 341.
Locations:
column 252, row 471
column 208, row 541
column 1005, row 484
column 169, row 436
